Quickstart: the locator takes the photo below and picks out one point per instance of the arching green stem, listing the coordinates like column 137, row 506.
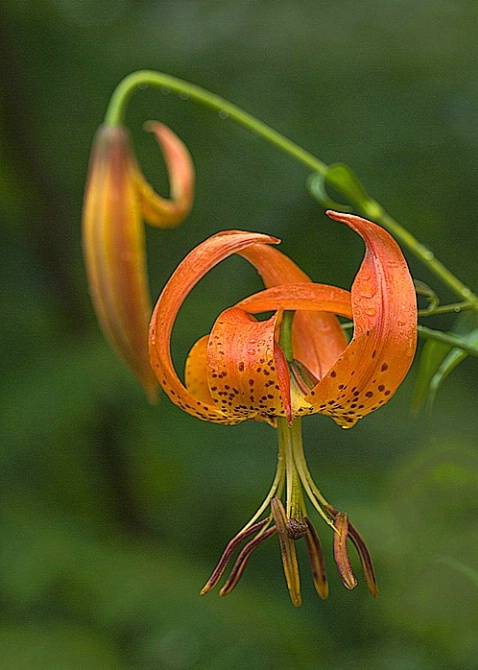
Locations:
column 367, row 206
column 119, row 100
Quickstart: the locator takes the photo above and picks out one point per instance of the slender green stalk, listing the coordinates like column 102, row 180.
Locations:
column 295, row 506
column 427, row 258
column 370, row 208
column 446, row 309
column 275, row 490
column 137, row 80
column 447, row 338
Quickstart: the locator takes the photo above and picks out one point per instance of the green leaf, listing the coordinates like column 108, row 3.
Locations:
column 432, row 355
column 439, row 359
column 344, row 180
column 449, row 363
column 317, row 189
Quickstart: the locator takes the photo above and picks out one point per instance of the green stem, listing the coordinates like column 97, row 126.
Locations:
column 447, row 338
column 117, row 107
column 285, row 337
column 295, row 506
column 292, row 435
column 370, row 208
column 427, row 258
column 275, row 490
column 446, row 309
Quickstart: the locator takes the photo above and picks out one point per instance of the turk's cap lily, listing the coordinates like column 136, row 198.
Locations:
column 239, row 370
column 117, row 199
column 295, row 362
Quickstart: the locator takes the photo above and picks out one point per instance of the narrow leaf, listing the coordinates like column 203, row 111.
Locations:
column 432, row 355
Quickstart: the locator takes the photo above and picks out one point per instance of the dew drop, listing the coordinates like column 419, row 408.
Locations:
column 183, row 95
column 223, row 114
column 368, row 292
column 142, row 85
column 165, row 90
column 428, row 255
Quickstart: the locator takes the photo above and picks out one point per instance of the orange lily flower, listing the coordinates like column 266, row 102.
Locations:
column 117, row 198
column 295, row 362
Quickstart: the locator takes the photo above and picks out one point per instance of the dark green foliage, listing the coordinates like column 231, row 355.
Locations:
column 112, row 512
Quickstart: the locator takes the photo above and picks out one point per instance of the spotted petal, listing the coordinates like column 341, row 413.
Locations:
column 317, row 336
column 196, row 264
column 385, row 331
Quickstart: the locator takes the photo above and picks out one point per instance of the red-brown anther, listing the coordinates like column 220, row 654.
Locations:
column 340, row 551
column 287, row 547
column 228, row 552
column 242, row 560
column 365, row 560
column 317, row 563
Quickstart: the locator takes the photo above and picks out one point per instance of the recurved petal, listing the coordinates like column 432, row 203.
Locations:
column 113, row 245
column 196, row 264
column 196, row 372
column 318, row 339
column 164, row 212
column 242, row 368
column 300, row 297
column 305, row 299
column 385, row 320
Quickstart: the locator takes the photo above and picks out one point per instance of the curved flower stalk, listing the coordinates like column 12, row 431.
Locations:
column 117, row 199
column 295, row 362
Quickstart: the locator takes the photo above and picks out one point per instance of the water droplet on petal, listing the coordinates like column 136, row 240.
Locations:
column 368, row 291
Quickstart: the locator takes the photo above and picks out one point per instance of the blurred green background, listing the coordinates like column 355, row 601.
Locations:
column 112, row 512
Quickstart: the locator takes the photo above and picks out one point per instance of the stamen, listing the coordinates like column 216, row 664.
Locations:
column 316, row 558
column 365, row 560
column 287, row 546
column 242, row 560
column 227, row 553
column 303, row 377
column 340, row 551
column 362, row 551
